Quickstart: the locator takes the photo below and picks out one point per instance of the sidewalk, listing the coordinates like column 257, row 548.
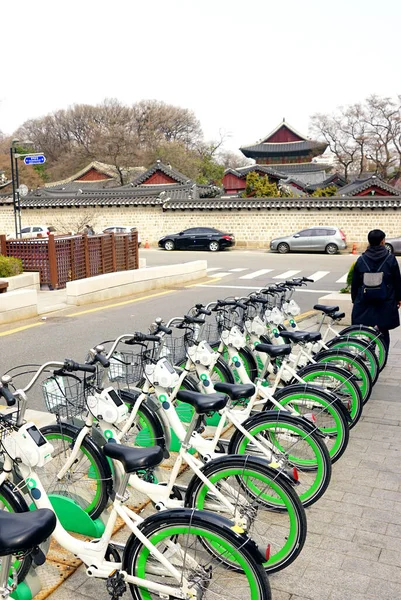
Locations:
column 353, row 547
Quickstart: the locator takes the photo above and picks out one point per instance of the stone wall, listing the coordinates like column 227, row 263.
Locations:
column 252, row 228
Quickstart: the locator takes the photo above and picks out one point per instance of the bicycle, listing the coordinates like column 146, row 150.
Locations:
column 21, row 535
column 179, row 553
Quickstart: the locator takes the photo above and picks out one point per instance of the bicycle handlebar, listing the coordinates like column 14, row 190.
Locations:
column 72, row 367
column 7, row 395
column 139, row 337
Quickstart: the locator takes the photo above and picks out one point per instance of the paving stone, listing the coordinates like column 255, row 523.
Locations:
column 394, row 530
column 336, row 531
column 381, row 589
column 360, row 523
column 375, row 569
column 386, row 494
column 368, row 501
column 390, row 558
column 308, row 588
column 386, row 516
column 388, row 481
column 342, row 508
column 350, row 548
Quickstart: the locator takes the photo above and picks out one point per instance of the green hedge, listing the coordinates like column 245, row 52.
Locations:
column 10, row 266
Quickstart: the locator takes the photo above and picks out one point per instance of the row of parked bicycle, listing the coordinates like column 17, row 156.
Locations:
column 256, row 409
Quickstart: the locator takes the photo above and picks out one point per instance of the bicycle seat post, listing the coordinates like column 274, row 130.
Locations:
column 321, row 322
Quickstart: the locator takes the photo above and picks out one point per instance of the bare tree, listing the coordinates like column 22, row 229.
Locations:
column 233, row 160
column 77, row 222
column 335, row 131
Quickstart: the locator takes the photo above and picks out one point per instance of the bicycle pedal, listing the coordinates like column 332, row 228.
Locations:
column 116, row 585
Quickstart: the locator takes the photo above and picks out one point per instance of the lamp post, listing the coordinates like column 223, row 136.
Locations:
column 15, row 184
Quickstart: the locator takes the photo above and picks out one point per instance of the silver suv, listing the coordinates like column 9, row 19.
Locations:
column 313, row 239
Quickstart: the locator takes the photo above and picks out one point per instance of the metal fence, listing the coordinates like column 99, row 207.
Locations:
column 59, row 259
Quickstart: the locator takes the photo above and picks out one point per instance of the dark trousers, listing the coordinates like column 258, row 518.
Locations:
column 386, row 337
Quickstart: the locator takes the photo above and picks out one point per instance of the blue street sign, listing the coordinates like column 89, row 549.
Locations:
column 35, row 160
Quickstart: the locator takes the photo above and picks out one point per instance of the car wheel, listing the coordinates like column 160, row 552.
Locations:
column 331, row 249
column 214, row 246
column 169, row 245
column 283, row 248
column 389, row 248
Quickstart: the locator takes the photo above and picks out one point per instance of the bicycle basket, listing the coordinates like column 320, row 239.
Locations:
column 174, row 348
column 64, row 395
column 7, row 423
column 126, row 367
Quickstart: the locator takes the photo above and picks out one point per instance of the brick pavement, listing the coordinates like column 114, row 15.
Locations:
column 353, row 548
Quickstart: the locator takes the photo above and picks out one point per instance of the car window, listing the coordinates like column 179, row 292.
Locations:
column 191, row 231
column 26, row 230
column 319, row 232
column 305, row 233
column 330, row 232
column 37, row 229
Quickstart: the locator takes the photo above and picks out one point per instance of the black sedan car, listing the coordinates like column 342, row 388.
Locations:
column 205, row 238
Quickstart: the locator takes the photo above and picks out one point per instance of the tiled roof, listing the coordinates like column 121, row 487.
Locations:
column 286, row 148
column 335, row 179
column 301, row 167
column 108, row 170
column 123, row 196
column 242, row 172
column 166, row 169
column 305, row 202
column 360, row 185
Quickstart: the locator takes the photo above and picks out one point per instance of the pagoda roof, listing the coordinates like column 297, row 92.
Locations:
column 284, row 140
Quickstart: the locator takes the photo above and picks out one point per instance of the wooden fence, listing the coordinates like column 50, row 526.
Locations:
column 65, row 258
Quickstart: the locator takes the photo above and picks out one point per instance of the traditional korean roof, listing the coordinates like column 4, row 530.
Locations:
column 166, row 169
column 362, row 184
column 336, row 179
column 284, row 140
column 242, row 172
column 122, row 196
column 110, row 172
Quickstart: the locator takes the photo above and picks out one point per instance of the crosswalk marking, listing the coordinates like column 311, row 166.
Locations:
column 220, row 274
column 213, row 269
column 239, row 269
column 286, row 275
column 256, row 274
column 342, row 279
column 318, row 275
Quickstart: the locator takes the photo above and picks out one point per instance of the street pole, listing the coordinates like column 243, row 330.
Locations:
column 18, row 198
column 13, row 182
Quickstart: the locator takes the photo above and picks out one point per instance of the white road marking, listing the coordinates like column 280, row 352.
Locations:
column 342, row 279
column 286, row 275
column 255, row 274
column 318, row 275
column 222, row 274
column 213, row 269
column 239, row 269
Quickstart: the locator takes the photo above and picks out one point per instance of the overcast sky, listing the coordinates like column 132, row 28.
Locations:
column 241, row 66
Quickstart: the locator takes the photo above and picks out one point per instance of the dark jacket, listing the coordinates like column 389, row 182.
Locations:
column 384, row 314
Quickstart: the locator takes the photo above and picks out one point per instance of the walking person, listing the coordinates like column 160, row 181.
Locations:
column 376, row 287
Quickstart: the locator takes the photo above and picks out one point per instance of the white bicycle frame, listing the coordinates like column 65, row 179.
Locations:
column 92, row 553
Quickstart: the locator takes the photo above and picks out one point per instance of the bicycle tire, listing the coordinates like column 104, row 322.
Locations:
column 269, row 504
column 363, row 351
column 362, row 374
column 95, row 473
column 347, row 385
column 13, row 501
column 312, row 462
column 369, row 334
column 234, row 555
column 309, row 395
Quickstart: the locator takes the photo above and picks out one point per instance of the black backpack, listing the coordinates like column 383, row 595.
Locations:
column 374, row 287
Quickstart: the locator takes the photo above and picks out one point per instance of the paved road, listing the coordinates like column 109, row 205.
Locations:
column 70, row 333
